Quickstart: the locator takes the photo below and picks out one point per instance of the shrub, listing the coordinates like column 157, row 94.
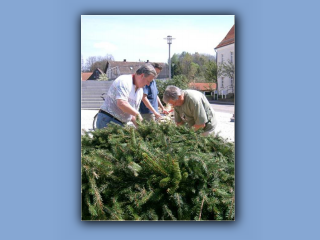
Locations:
column 103, row 77
column 156, row 172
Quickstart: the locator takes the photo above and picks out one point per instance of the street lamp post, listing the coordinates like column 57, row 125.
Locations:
column 169, row 41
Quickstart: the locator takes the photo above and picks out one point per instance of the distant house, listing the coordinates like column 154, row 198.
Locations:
column 85, row 75
column 224, row 53
column 95, row 74
column 205, row 88
column 116, row 68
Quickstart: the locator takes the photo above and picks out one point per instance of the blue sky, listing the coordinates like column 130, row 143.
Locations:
column 134, row 37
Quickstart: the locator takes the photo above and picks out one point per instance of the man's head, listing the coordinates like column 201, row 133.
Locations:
column 157, row 67
column 144, row 75
column 173, row 95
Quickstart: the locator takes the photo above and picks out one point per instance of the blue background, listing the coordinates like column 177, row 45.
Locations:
column 277, row 130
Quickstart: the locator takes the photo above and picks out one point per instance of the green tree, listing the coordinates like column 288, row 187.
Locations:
column 182, row 55
column 202, row 65
column 193, row 66
column 210, row 72
column 194, row 71
column 179, row 81
column 196, row 58
column 188, row 69
column 176, row 69
column 176, row 66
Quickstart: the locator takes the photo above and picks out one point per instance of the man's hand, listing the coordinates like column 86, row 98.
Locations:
column 196, row 127
column 139, row 117
column 157, row 115
column 136, row 119
column 179, row 123
column 165, row 111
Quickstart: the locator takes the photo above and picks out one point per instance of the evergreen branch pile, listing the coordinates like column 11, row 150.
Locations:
column 156, row 172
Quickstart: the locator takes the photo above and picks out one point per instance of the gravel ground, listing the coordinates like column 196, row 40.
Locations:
column 225, row 127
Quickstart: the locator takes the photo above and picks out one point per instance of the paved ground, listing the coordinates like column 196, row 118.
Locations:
column 223, row 112
column 223, row 108
column 225, row 126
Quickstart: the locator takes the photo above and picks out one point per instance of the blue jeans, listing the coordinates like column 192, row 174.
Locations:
column 103, row 120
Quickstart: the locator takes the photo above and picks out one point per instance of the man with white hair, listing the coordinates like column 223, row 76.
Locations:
column 123, row 99
column 191, row 107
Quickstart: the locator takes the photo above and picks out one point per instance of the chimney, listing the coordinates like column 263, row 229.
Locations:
column 124, row 60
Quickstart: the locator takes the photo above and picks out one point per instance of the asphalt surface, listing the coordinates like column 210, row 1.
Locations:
column 223, row 108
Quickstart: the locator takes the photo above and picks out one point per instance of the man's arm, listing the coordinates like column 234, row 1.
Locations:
column 196, row 127
column 161, row 106
column 148, row 105
column 179, row 123
column 127, row 108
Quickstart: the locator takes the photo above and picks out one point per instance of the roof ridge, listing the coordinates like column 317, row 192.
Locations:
column 228, row 39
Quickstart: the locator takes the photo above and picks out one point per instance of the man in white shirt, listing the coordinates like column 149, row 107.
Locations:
column 123, row 99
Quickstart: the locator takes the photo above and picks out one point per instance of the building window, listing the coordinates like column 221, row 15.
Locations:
column 221, row 58
column 231, row 57
column 222, row 82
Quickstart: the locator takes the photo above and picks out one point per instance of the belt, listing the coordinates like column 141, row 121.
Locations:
column 104, row 112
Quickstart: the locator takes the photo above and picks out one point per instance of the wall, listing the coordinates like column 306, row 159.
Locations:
column 225, row 50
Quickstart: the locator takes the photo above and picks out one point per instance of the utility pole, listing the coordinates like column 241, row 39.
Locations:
column 169, row 41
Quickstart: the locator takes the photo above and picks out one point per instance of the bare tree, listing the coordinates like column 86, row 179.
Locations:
column 83, row 67
column 90, row 61
column 94, row 62
column 227, row 69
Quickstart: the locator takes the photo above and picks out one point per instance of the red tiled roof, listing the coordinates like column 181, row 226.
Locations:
column 203, row 86
column 85, row 75
column 229, row 39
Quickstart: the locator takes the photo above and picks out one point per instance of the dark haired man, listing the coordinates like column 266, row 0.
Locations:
column 150, row 100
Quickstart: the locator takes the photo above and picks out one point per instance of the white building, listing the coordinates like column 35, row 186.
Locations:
column 224, row 53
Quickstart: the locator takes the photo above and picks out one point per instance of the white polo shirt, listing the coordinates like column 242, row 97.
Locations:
column 122, row 88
